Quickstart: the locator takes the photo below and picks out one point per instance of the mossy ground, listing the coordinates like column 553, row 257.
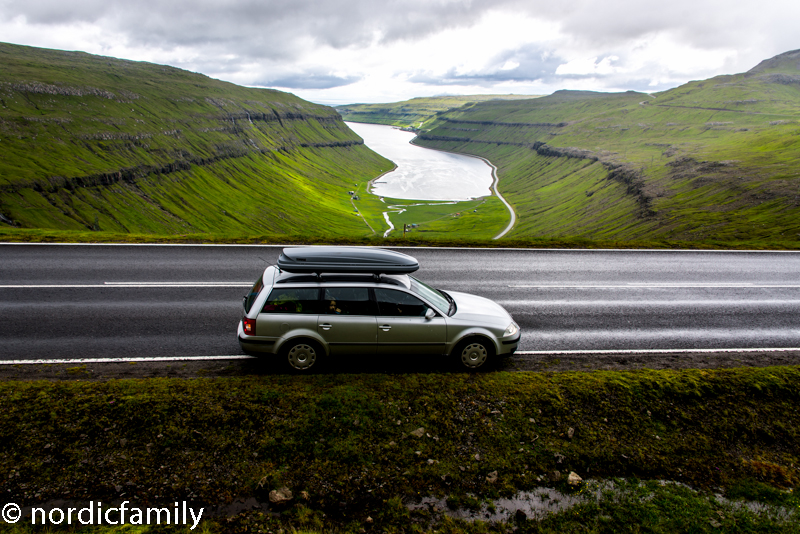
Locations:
column 346, row 441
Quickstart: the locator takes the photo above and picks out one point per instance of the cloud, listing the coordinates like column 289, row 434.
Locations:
column 309, row 80
column 255, row 28
column 401, row 46
column 530, row 63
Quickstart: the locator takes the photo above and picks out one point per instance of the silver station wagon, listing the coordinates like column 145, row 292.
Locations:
column 328, row 301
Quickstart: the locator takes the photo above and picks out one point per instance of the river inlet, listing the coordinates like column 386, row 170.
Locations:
column 422, row 173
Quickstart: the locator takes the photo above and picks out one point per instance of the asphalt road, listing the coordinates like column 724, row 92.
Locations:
column 101, row 301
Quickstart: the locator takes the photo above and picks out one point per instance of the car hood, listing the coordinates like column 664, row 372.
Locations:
column 475, row 308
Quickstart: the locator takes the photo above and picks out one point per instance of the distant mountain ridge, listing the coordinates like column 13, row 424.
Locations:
column 417, row 113
column 92, row 142
column 787, row 63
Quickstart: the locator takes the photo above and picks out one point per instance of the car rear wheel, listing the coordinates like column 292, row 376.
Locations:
column 303, row 355
column 474, row 354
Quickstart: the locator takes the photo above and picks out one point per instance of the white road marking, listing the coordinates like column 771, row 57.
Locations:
column 128, row 360
column 190, row 284
column 648, row 351
column 522, row 352
column 707, row 304
column 519, row 286
column 129, row 284
column 678, row 285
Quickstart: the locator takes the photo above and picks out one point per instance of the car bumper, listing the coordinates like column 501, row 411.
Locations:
column 509, row 346
column 254, row 343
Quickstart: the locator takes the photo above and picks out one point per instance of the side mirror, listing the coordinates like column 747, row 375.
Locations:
column 430, row 314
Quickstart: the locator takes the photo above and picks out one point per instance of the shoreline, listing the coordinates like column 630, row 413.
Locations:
column 495, row 181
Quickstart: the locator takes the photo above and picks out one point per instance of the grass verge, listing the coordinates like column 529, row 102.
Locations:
column 414, row 238
column 349, row 447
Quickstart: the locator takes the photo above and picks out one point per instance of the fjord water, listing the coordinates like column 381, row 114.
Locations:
column 422, row 173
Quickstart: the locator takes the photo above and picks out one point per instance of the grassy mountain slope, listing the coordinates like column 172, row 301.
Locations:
column 90, row 142
column 416, row 113
column 712, row 160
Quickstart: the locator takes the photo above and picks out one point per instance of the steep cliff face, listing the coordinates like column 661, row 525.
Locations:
column 90, row 142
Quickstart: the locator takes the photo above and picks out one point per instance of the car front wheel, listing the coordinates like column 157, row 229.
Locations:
column 474, row 354
column 303, row 355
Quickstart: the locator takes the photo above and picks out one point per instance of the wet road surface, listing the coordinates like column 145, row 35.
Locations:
column 124, row 301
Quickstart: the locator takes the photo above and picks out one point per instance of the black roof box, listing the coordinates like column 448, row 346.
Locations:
column 345, row 260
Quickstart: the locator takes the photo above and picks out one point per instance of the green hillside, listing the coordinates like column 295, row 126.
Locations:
column 416, row 113
column 98, row 143
column 709, row 161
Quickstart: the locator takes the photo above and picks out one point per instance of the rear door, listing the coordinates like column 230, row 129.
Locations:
column 347, row 320
column 288, row 309
column 403, row 327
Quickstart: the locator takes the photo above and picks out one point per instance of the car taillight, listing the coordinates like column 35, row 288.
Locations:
column 249, row 326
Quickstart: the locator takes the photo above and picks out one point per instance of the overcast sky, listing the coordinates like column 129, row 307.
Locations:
column 347, row 51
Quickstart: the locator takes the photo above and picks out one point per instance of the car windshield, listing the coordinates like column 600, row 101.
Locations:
column 438, row 298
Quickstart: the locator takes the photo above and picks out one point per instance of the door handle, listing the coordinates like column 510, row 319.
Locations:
column 385, row 327
column 325, row 326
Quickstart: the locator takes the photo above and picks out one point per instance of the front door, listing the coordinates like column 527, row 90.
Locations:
column 404, row 329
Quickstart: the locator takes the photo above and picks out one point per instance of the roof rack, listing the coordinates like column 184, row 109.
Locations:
column 345, row 260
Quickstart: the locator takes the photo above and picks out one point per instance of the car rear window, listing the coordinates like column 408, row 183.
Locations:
column 253, row 295
column 292, row 300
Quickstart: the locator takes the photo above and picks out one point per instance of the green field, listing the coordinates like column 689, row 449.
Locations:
column 480, row 219
column 710, row 161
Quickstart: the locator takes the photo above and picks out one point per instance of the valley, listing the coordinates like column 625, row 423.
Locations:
column 712, row 163
column 102, row 149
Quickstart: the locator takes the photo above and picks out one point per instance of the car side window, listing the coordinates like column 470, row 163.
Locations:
column 292, row 300
column 393, row 303
column 347, row 301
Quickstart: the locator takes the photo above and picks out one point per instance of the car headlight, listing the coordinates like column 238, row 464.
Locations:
column 511, row 330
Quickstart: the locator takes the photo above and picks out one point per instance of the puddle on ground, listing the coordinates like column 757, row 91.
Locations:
column 539, row 503
column 534, row 504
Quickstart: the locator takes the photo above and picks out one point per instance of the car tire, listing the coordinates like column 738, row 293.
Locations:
column 302, row 355
column 474, row 354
